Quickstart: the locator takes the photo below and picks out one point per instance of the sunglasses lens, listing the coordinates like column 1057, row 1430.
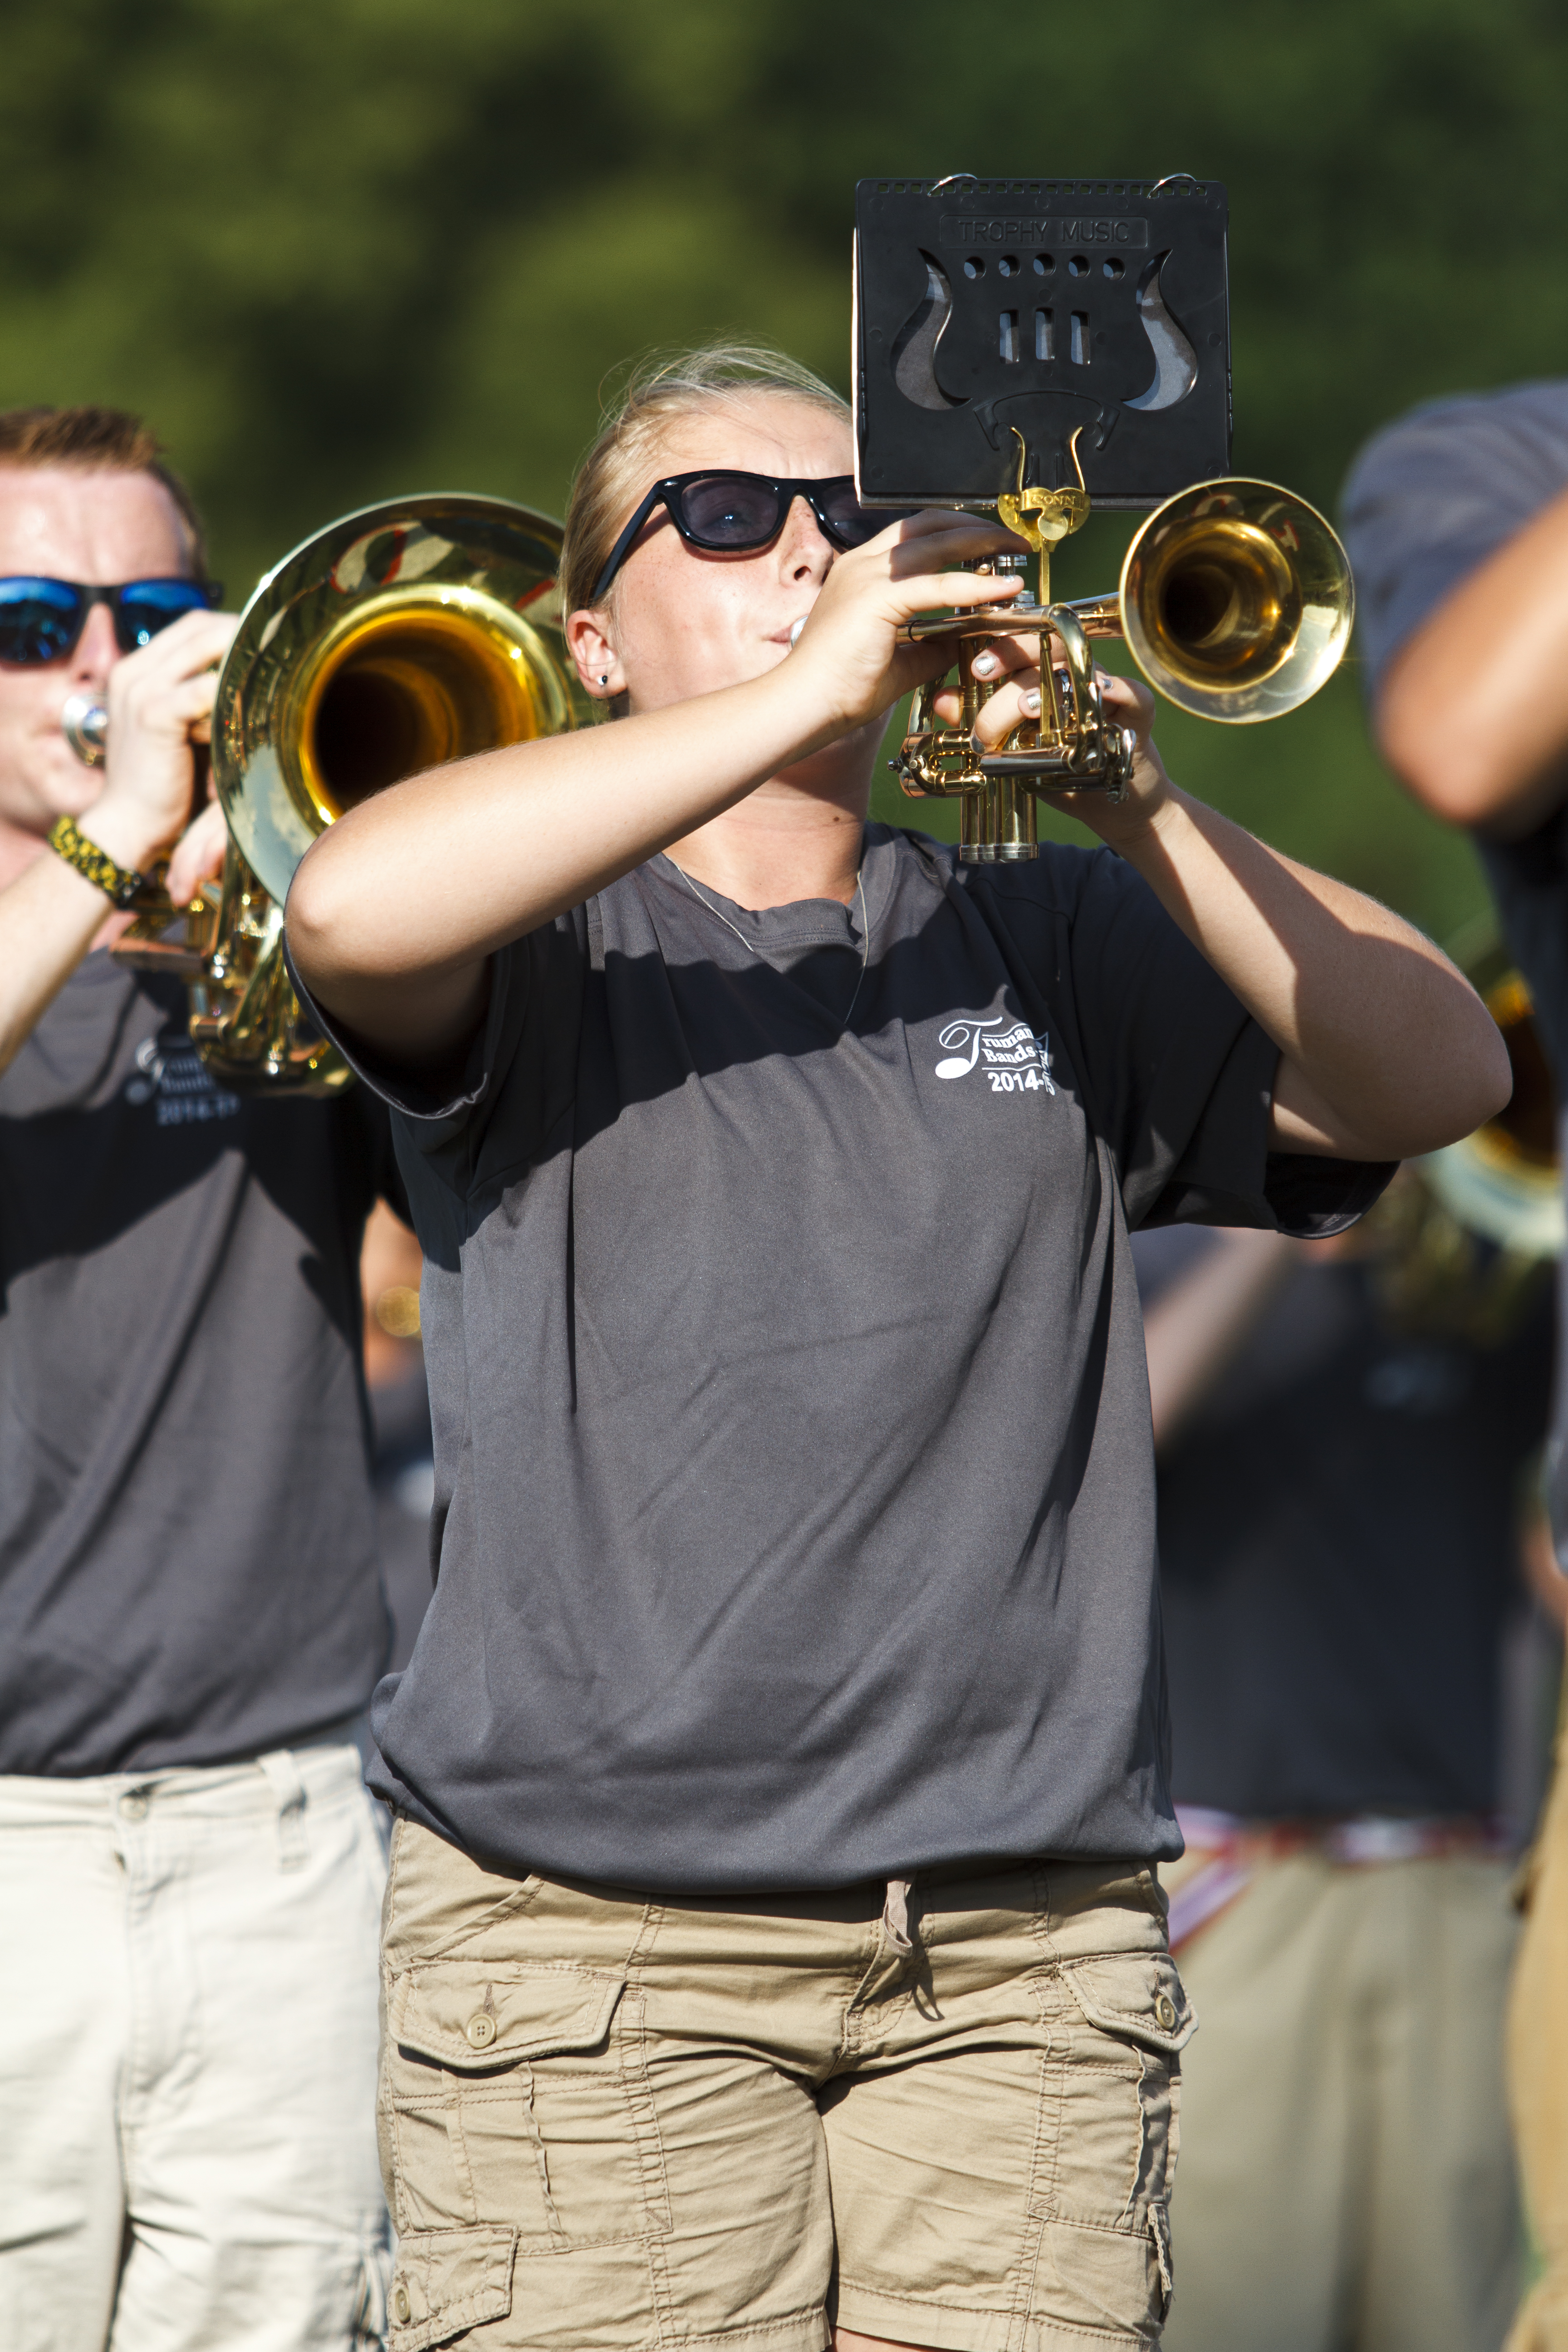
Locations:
column 729, row 510
column 147, row 605
column 40, row 620
column 847, row 521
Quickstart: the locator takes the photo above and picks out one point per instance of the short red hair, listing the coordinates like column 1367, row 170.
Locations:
column 99, row 440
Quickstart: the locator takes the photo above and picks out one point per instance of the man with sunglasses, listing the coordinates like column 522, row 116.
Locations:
column 191, row 1616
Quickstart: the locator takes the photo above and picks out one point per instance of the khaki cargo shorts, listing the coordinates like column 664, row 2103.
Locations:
column 615, row 2122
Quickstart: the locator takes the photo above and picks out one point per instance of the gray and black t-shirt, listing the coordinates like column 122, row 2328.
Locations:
column 1427, row 501
column 793, row 1484
column 187, row 1541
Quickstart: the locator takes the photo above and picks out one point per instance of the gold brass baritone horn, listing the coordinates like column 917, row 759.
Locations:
column 1464, row 1240
column 401, row 636
column 1235, row 602
column 1504, row 1183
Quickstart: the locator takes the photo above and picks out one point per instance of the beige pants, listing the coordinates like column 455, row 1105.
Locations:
column 1347, row 2180
column 612, row 2123
column 188, row 2060
column 1538, row 2072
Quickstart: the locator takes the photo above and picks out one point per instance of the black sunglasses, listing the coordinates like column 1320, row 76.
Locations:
column 42, row 620
column 734, row 514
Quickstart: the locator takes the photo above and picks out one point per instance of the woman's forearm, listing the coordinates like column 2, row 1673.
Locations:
column 1386, row 1050
column 479, row 852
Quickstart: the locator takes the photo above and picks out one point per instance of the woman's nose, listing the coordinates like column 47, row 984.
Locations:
column 807, row 553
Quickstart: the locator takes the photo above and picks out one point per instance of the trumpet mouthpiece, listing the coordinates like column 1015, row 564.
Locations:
column 85, row 725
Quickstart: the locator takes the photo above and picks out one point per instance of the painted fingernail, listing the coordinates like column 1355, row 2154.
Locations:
column 1032, row 698
column 984, row 664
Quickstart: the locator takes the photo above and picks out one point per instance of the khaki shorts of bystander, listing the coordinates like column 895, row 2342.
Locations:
column 615, row 2121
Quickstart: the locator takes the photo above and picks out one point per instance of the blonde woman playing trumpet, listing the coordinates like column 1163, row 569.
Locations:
column 775, row 1943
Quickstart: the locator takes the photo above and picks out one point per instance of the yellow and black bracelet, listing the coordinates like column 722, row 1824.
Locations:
column 117, row 882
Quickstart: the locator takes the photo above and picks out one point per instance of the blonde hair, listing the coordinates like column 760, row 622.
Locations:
column 616, row 472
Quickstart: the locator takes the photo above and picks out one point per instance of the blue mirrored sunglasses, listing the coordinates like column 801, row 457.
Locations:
column 42, row 620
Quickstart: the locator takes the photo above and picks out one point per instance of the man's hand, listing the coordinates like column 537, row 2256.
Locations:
column 160, row 708
column 198, row 855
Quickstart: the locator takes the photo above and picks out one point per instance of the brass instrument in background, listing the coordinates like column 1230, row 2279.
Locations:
column 1487, row 1214
column 408, row 634
column 1466, row 1239
column 1235, row 602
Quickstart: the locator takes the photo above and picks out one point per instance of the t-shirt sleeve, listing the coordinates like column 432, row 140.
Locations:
column 1436, row 495
column 494, row 1113
column 1180, row 1079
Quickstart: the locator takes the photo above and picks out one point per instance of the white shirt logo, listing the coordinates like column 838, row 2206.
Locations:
column 172, row 1076
column 1016, row 1061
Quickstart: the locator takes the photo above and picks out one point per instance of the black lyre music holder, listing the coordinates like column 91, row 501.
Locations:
column 986, row 310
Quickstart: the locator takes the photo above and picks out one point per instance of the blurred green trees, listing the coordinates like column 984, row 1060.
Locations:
column 337, row 248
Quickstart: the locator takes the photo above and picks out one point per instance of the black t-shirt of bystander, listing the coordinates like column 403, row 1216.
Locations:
column 1337, row 1554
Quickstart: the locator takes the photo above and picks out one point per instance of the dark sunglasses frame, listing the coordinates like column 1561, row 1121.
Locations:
column 670, row 495
column 127, row 632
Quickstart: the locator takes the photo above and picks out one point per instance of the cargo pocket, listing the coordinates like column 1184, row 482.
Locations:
column 1136, row 1996
column 1122, row 2089
column 516, row 2094
column 473, row 2014
column 446, row 2280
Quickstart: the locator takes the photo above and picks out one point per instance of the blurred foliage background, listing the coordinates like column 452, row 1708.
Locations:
column 336, row 249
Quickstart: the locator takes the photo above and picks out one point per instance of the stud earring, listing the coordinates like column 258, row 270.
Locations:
column 604, row 678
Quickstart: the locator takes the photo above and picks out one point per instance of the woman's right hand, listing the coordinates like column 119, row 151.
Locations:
column 848, row 657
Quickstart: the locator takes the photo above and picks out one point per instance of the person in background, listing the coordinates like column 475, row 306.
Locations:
column 1457, row 522
column 405, row 1472
column 1341, row 1429
column 191, row 1615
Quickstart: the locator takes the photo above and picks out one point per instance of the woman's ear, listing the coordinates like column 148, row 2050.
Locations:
column 598, row 664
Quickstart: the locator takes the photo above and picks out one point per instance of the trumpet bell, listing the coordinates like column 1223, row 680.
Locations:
column 1236, row 599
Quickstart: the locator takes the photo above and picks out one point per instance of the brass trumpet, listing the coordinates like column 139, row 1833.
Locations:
column 401, row 636
column 1235, row 602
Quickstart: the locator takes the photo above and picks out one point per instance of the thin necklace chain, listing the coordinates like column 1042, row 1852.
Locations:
column 750, row 949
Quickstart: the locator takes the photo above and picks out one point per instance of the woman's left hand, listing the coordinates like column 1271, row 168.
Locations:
column 1305, row 954
column 1127, row 702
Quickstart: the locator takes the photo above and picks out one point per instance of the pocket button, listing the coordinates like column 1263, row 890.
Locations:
column 401, row 2306
column 481, row 2030
column 1164, row 2013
